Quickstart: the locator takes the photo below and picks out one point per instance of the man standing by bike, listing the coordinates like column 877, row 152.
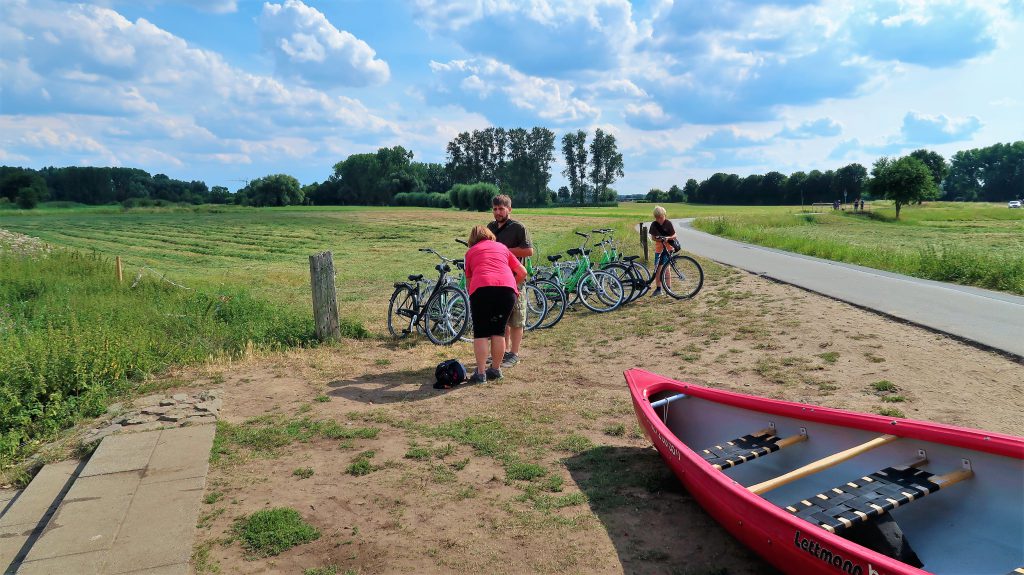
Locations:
column 515, row 237
column 661, row 229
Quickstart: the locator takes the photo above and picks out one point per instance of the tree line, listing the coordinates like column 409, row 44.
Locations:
column 991, row 174
column 518, row 162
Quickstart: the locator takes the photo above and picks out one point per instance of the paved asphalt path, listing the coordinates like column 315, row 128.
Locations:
column 990, row 318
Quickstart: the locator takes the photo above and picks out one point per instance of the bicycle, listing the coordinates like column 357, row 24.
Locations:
column 442, row 314
column 554, row 296
column 633, row 275
column 597, row 290
column 682, row 277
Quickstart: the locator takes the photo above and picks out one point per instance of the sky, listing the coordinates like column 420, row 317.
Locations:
column 226, row 91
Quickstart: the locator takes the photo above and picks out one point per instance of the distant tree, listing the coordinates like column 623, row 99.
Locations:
column 574, row 149
column 935, row 162
column 995, row 173
column 773, row 188
column 849, row 181
column 18, row 183
column 606, row 164
column 272, row 190
column 221, row 195
column 676, row 194
column 656, row 195
column 903, row 181
column 795, row 188
column 563, row 193
column 690, row 190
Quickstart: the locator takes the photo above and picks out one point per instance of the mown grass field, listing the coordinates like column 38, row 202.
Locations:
column 258, row 259
column 970, row 244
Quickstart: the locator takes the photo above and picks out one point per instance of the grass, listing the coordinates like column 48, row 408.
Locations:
column 890, row 412
column 884, row 385
column 971, row 244
column 273, row 531
column 72, row 338
column 264, row 436
column 303, row 472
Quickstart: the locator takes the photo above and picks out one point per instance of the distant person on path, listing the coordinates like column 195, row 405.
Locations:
column 514, row 236
column 493, row 275
column 661, row 227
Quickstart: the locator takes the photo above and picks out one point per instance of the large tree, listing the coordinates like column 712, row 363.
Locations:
column 903, row 181
column 849, row 181
column 936, row 164
column 272, row 190
column 606, row 164
column 574, row 149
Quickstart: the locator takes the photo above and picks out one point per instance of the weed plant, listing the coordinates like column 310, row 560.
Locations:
column 72, row 337
column 273, row 531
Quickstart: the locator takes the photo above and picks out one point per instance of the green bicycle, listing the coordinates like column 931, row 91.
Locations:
column 597, row 290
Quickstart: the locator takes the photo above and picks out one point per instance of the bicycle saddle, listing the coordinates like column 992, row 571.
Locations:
column 416, row 278
column 574, row 252
column 554, row 258
column 630, row 258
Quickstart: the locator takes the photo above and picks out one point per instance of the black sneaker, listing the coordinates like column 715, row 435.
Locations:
column 656, row 292
column 493, row 374
column 477, row 378
column 509, row 360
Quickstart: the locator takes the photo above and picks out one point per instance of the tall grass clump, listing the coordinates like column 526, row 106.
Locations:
column 71, row 337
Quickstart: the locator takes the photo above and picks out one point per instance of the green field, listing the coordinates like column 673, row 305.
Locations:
column 971, row 244
column 217, row 281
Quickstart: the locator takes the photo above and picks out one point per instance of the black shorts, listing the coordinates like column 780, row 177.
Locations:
column 491, row 307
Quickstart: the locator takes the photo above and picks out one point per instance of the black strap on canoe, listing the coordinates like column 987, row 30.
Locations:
column 741, row 450
column 863, row 499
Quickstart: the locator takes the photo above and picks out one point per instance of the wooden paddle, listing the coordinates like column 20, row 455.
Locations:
column 821, row 464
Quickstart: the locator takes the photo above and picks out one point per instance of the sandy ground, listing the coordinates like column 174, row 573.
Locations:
column 457, row 512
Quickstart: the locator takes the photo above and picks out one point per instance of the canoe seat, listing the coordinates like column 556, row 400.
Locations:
column 871, row 496
column 745, row 448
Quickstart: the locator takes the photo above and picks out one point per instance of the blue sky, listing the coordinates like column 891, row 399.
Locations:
column 229, row 90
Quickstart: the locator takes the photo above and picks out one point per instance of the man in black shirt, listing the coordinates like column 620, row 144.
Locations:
column 515, row 237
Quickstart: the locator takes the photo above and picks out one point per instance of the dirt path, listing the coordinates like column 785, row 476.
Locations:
column 451, row 487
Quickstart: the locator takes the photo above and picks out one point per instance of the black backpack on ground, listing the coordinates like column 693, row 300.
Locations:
column 449, row 373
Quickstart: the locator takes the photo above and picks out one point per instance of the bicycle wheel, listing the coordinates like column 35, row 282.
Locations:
column 401, row 310
column 556, row 302
column 682, row 278
column 629, row 282
column 600, row 291
column 446, row 316
column 536, row 305
column 643, row 275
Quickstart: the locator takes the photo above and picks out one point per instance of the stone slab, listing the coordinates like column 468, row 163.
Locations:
column 12, row 539
column 6, row 496
column 159, row 527
column 118, row 453
column 40, row 494
column 81, row 564
column 89, row 518
column 181, row 453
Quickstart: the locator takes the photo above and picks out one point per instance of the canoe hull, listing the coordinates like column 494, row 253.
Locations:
column 791, row 544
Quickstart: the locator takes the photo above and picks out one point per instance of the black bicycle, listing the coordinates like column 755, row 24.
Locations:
column 682, row 277
column 437, row 308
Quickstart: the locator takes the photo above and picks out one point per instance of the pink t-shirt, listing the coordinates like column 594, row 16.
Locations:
column 489, row 263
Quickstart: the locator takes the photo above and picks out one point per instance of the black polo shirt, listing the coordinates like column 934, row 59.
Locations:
column 513, row 234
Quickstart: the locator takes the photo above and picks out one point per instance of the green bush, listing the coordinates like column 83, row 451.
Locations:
column 273, row 531
column 71, row 337
column 421, row 199
column 473, row 196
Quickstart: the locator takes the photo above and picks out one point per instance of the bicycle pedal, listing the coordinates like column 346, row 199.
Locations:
column 406, row 332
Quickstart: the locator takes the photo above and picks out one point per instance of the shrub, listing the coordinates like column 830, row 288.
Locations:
column 472, row 196
column 273, row 531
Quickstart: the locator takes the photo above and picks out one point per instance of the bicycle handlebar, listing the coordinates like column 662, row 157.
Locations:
column 582, row 234
column 462, row 241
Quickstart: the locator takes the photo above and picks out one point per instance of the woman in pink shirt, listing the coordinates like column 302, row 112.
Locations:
column 492, row 273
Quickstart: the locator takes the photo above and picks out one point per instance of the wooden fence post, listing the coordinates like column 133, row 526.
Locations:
column 120, row 269
column 643, row 240
column 325, row 299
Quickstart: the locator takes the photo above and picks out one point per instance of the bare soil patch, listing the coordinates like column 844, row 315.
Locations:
column 451, row 488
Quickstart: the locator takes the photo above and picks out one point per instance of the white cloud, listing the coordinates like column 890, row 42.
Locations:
column 924, row 129
column 307, row 47
column 490, row 87
column 822, row 127
column 548, row 38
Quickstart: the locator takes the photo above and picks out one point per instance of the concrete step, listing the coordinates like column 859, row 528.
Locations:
column 132, row 509
column 26, row 515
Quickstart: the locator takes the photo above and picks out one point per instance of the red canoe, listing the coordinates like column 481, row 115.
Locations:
column 819, row 490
